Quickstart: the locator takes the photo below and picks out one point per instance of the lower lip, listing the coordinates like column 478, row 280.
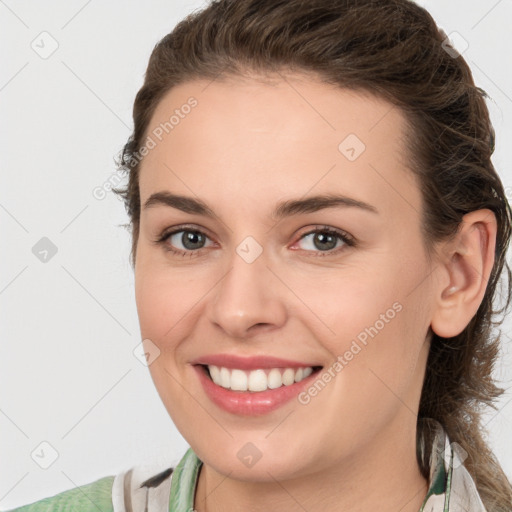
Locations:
column 250, row 403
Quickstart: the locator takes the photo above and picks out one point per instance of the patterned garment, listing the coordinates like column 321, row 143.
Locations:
column 451, row 488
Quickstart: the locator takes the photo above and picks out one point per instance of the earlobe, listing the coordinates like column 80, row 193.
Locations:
column 465, row 271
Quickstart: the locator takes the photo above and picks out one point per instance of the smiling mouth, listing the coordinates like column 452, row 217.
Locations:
column 263, row 379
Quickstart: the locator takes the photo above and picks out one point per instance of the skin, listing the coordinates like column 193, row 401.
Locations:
column 246, row 146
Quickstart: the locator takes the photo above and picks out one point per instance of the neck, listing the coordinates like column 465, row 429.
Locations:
column 386, row 477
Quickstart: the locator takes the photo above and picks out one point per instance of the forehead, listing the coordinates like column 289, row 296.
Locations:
column 287, row 136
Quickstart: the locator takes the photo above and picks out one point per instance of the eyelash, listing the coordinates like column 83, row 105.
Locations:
column 347, row 239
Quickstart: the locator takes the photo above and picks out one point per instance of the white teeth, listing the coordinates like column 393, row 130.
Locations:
column 274, row 379
column 225, row 378
column 215, row 373
column 238, row 380
column 257, row 380
column 307, row 372
column 288, row 377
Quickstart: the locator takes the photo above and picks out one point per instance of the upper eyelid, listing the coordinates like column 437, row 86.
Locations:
column 172, row 231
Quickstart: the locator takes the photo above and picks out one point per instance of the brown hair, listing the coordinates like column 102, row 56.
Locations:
column 393, row 49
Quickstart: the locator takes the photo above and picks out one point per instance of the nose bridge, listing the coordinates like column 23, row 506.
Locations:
column 247, row 296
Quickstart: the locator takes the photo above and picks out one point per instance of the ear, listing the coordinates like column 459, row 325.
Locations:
column 464, row 272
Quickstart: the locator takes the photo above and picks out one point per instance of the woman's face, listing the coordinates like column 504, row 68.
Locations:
column 252, row 279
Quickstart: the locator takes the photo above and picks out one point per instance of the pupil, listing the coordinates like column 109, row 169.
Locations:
column 324, row 238
column 191, row 239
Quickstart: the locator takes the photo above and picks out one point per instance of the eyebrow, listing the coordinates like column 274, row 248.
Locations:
column 283, row 209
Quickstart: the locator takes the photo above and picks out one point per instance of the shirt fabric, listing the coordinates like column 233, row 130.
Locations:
column 451, row 488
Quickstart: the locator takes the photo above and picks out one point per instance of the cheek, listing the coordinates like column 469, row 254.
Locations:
column 373, row 322
column 344, row 302
column 162, row 299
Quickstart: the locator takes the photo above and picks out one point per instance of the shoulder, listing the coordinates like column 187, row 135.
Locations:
column 130, row 491
column 95, row 496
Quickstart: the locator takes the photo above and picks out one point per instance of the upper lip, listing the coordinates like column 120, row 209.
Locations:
column 249, row 363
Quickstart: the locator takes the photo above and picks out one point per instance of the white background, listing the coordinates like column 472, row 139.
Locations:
column 68, row 326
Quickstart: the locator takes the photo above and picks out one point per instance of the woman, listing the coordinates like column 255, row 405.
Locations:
column 318, row 233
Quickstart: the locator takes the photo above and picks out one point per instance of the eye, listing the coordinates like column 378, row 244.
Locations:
column 326, row 240
column 182, row 241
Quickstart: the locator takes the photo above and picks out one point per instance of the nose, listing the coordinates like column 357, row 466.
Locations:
column 248, row 300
